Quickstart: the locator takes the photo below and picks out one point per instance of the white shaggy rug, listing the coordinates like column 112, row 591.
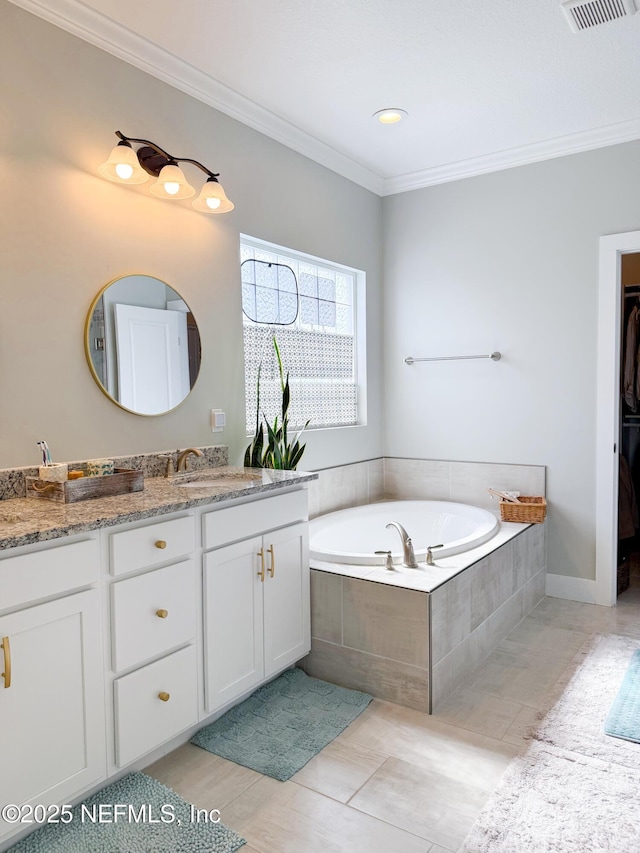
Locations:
column 575, row 790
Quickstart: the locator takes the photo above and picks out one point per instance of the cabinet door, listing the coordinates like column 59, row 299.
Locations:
column 286, row 598
column 233, row 622
column 52, row 734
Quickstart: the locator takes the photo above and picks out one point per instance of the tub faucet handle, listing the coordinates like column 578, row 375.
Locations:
column 389, row 561
column 429, row 560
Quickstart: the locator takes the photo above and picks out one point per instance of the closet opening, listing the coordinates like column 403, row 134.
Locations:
column 628, row 561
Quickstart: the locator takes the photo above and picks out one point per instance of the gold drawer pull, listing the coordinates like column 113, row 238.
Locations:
column 164, row 696
column 161, row 544
column 7, row 661
column 272, row 567
column 162, row 614
column 261, row 572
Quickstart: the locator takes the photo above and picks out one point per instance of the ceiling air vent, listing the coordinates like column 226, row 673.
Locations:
column 586, row 14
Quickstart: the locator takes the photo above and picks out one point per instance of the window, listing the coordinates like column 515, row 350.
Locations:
column 310, row 306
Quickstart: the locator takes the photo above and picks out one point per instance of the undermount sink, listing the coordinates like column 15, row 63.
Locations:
column 210, row 480
column 205, row 484
column 9, row 518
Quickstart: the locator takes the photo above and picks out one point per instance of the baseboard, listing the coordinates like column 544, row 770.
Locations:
column 575, row 589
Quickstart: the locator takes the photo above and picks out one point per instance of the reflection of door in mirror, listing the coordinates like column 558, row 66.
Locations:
column 152, row 357
column 150, row 363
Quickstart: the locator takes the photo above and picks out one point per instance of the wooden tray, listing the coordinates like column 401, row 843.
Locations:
column 121, row 482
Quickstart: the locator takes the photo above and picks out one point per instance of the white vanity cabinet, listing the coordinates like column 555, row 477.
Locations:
column 116, row 645
column 52, row 713
column 256, row 594
column 153, row 633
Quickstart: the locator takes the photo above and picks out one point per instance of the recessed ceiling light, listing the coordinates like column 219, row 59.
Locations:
column 391, row 115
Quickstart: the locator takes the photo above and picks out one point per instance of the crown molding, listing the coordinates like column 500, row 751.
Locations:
column 100, row 31
column 97, row 29
column 573, row 143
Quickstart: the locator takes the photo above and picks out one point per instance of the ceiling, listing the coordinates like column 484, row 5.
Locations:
column 487, row 84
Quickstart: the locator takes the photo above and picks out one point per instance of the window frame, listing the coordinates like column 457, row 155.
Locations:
column 358, row 319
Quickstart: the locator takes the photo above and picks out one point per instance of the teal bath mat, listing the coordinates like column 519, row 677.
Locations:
column 140, row 829
column 284, row 724
column 624, row 717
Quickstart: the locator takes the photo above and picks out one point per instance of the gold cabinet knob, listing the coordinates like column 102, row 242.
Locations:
column 164, row 696
column 161, row 544
column 162, row 614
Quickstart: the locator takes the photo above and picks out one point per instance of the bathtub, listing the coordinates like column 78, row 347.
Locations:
column 353, row 535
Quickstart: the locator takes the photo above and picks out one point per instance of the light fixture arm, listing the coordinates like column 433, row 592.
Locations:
column 133, row 160
column 169, row 157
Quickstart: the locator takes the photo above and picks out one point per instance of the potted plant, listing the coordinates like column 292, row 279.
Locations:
column 270, row 446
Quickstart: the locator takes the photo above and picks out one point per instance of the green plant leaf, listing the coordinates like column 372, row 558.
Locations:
column 277, row 349
column 295, row 458
column 253, row 457
column 270, row 446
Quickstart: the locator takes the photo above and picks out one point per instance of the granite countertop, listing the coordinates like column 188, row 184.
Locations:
column 27, row 520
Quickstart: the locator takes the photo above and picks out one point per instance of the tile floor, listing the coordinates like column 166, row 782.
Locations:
column 397, row 780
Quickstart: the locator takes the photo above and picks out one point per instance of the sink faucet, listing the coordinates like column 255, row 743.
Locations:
column 183, row 457
column 409, row 557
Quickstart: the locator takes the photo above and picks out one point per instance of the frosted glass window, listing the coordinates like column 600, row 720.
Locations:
column 318, row 346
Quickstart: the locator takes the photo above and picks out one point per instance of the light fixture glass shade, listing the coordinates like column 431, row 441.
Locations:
column 212, row 198
column 172, row 183
column 123, row 166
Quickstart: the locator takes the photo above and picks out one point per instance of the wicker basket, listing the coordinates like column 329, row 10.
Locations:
column 530, row 510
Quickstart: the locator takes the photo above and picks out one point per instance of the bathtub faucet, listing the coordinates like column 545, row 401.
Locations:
column 409, row 557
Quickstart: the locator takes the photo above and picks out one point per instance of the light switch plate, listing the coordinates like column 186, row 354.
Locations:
column 218, row 420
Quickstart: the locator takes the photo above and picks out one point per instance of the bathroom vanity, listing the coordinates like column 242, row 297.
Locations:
column 128, row 623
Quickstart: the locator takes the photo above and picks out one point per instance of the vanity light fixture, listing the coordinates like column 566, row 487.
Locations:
column 127, row 165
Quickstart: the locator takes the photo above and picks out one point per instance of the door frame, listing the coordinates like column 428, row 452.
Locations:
column 612, row 247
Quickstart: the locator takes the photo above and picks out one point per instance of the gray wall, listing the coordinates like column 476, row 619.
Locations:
column 504, row 261
column 66, row 232
column 509, row 262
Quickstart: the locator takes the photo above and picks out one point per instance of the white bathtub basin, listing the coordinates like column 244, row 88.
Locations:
column 353, row 535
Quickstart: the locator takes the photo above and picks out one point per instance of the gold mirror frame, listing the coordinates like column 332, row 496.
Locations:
column 87, row 345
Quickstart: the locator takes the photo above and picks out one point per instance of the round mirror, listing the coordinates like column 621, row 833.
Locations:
column 142, row 344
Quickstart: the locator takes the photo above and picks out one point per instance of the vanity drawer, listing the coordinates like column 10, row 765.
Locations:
column 152, row 544
column 239, row 522
column 54, row 569
column 152, row 613
column 143, row 720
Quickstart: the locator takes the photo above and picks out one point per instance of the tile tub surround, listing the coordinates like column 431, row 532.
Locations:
column 370, row 637
column 345, row 486
column 473, row 612
column 12, row 480
column 393, row 478
column 411, row 646
column 464, row 482
column 24, row 521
